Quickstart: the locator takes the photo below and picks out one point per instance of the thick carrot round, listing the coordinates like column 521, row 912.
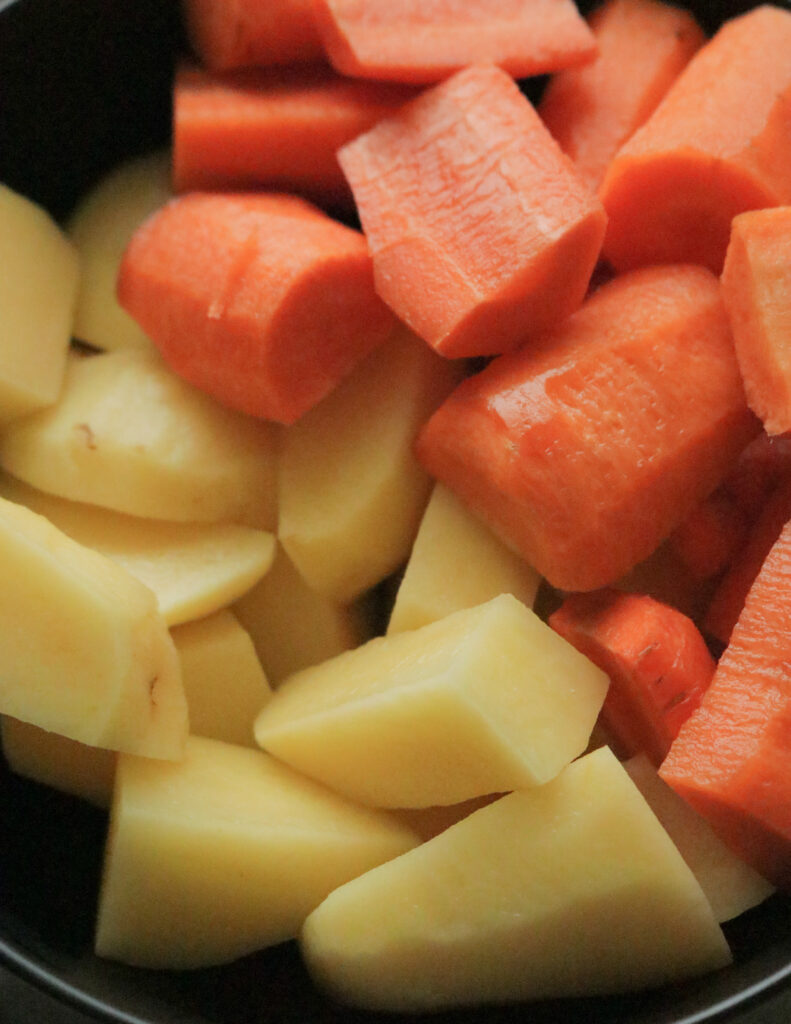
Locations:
column 586, row 449
column 592, row 110
column 481, row 233
column 718, row 144
column 260, row 300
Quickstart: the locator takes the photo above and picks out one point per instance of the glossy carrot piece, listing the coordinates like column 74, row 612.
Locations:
column 481, row 233
column 586, row 449
column 710, row 536
column 657, row 661
column 592, row 110
column 424, row 41
column 260, row 300
column 731, row 758
column 250, row 32
column 718, row 144
column 756, row 286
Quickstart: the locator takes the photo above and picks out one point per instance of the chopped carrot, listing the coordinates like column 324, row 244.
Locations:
column 481, row 232
column 657, row 661
column 260, row 300
column 729, row 597
column 584, row 450
column 248, row 32
column 424, row 41
column 717, row 144
column 756, row 287
column 710, row 536
column 592, row 110
column 731, row 758
column 275, row 129
column 763, row 464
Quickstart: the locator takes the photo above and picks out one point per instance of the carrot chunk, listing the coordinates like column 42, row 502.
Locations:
column 260, row 300
column 657, row 661
column 586, row 449
column 275, row 129
column 480, row 230
column 592, row 110
column 718, row 144
column 424, row 41
column 756, row 287
column 248, row 32
column 764, row 463
column 732, row 758
column 710, row 536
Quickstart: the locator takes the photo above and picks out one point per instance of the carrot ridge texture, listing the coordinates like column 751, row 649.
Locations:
column 731, row 758
column 272, row 128
column 260, row 300
column 719, row 143
column 481, row 233
column 592, row 110
column 586, row 449
column 424, row 41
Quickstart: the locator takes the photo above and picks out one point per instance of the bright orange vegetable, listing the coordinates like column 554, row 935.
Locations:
column 592, row 110
column 260, row 300
column 481, row 233
column 586, row 449
column 717, row 144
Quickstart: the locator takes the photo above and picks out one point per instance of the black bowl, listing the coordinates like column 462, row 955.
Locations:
column 81, row 86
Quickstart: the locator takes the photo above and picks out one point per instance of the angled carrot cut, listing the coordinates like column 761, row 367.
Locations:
column 481, row 233
column 592, row 110
column 260, row 300
column 657, row 661
column 424, row 41
column 712, row 149
column 586, row 449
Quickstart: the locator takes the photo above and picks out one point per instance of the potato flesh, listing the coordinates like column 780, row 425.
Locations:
column 38, row 288
column 483, row 701
column 568, row 889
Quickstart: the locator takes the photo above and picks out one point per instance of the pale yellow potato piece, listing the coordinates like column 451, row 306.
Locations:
column 569, row 889
column 194, row 569
column 225, row 853
column 129, row 435
column 100, row 227
column 730, row 885
column 483, row 701
column 38, row 290
column 351, row 492
column 456, row 562
column 84, row 651
column 293, row 626
column 223, row 679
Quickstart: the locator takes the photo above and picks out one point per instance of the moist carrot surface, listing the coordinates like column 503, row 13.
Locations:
column 732, row 758
column 481, row 233
column 592, row 110
column 584, row 450
column 272, row 128
column 260, row 300
column 657, row 661
column 425, row 41
column 718, row 144
column 756, row 286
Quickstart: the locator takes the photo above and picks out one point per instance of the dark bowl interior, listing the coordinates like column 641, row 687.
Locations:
column 81, row 86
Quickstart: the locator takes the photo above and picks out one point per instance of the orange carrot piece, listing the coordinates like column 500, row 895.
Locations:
column 756, row 287
column 718, row 144
column 729, row 597
column 586, row 449
column 260, row 300
column 731, row 758
column 710, row 536
column 251, row 32
column 764, row 463
column 424, row 41
column 480, row 230
column 275, row 129
column 592, row 110
column 657, row 661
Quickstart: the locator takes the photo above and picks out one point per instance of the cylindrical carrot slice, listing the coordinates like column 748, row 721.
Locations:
column 717, row 144
column 260, row 300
